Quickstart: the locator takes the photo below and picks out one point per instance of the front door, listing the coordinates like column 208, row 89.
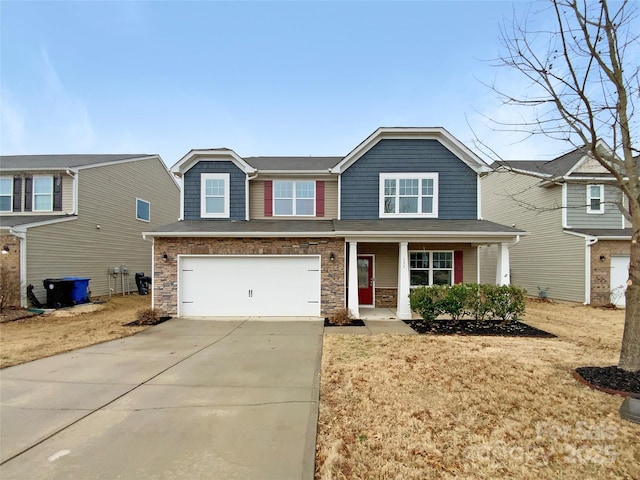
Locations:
column 365, row 279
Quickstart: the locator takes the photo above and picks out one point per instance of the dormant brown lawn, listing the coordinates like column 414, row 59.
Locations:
column 67, row 329
column 422, row 407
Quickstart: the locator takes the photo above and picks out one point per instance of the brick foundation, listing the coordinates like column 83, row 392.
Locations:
column 165, row 273
column 10, row 266
column 601, row 269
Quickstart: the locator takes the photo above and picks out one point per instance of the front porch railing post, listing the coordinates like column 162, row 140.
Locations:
column 404, row 308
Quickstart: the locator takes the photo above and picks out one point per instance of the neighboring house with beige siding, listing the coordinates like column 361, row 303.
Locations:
column 81, row 215
column 578, row 243
column 306, row 236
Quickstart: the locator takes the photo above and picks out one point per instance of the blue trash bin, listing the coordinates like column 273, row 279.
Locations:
column 80, row 289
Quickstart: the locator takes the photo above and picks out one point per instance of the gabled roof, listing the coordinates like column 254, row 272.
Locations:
column 62, row 162
column 401, row 133
column 287, row 164
column 211, row 154
column 13, row 221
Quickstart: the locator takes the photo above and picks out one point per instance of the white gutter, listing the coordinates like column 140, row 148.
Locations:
column 246, row 194
column 587, row 269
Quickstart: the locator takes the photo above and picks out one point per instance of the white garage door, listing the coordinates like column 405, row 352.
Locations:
column 260, row 285
column 619, row 277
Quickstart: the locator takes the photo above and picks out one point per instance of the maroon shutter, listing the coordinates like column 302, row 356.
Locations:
column 457, row 266
column 57, row 193
column 28, row 192
column 17, row 194
column 268, row 198
column 320, row 198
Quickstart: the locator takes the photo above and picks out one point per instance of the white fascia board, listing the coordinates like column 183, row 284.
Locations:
column 408, row 133
column 238, row 234
column 116, row 162
column 25, row 226
column 581, row 235
column 36, row 169
column 216, row 155
column 481, row 240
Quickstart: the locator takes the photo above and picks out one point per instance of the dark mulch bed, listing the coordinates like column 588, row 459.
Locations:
column 612, row 380
column 353, row 323
column 146, row 321
column 477, row 327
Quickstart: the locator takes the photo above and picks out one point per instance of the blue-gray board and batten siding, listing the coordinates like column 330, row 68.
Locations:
column 237, row 189
column 457, row 182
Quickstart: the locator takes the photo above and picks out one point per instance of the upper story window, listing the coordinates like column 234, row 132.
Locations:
column 595, row 199
column 294, row 198
column 143, row 210
column 42, row 194
column 409, row 195
column 214, row 195
column 431, row 268
column 6, row 194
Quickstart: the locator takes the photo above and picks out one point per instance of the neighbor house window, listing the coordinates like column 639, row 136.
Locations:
column 595, row 199
column 42, row 194
column 143, row 210
column 214, row 196
column 409, row 195
column 430, row 268
column 294, row 198
column 6, row 194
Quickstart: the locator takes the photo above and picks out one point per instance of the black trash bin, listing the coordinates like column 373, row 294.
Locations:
column 59, row 292
column 142, row 282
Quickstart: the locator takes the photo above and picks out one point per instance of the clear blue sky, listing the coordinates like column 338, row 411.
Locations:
column 262, row 78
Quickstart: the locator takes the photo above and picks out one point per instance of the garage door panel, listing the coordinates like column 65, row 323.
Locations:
column 249, row 286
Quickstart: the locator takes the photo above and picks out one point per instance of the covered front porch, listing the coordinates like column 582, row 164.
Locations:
column 380, row 273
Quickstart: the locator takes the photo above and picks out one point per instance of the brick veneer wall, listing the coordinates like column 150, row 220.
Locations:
column 11, row 264
column 165, row 273
column 601, row 269
column 386, row 297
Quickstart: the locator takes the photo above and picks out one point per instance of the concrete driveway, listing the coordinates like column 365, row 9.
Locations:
column 197, row 399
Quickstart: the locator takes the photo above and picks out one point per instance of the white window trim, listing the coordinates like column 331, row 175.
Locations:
column 431, row 268
column 33, row 194
column 589, row 197
column 203, row 199
column 293, row 199
column 398, row 176
column 10, row 194
column 149, row 205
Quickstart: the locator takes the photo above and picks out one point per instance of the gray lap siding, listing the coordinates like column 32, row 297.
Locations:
column 237, row 189
column 457, row 182
column 166, row 275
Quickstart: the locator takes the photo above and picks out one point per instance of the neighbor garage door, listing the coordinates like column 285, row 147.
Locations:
column 261, row 285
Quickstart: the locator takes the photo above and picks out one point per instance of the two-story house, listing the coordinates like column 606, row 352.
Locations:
column 578, row 243
column 304, row 236
column 82, row 216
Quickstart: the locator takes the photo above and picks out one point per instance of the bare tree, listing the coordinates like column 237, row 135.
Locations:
column 582, row 60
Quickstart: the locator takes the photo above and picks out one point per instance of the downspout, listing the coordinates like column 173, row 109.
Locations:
column 246, row 195
column 587, row 270
column 22, row 235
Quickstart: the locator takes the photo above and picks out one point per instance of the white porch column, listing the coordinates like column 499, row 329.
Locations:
column 352, row 299
column 404, row 309
column 502, row 270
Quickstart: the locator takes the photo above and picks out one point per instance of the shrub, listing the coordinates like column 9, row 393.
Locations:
column 479, row 301
column 147, row 316
column 341, row 316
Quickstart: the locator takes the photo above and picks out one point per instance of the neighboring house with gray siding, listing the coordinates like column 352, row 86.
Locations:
column 79, row 215
column 578, row 243
column 306, row 236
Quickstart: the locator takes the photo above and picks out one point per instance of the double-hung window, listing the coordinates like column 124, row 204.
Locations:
column 595, row 199
column 6, row 194
column 409, row 195
column 430, row 268
column 294, row 198
column 214, row 195
column 42, row 194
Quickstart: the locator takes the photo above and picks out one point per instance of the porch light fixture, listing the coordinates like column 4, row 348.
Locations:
column 602, row 258
column 332, row 257
column 5, row 249
column 165, row 257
